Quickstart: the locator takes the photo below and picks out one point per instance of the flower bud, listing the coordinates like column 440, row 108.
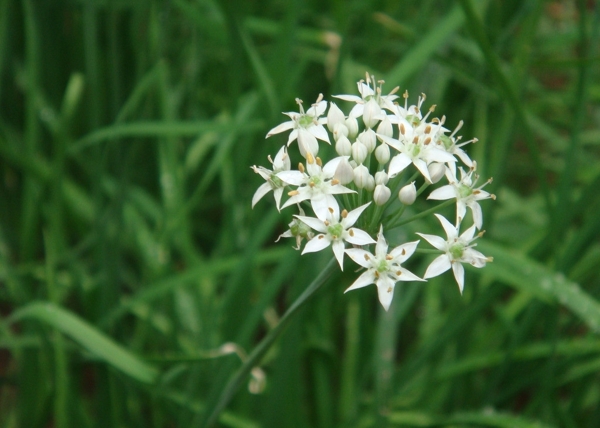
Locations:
column 381, row 194
column 408, row 194
column 339, row 129
column 382, row 154
column 344, row 172
column 370, row 112
column 370, row 183
column 381, row 177
column 352, row 125
column 334, row 116
column 436, row 171
column 343, row 147
column 369, row 139
column 361, row 176
column 307, row 143
column 359, row 152
column 385, row 127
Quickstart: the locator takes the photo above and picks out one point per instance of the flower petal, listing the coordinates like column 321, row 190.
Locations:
column 459, row 275
column 318, row 243
column 262, row 190
column 450, row 230
column 359, row 237
column 360, row 256
column 338, row 250
column 437, row 267
column 398, row 164
column 354, row 215
column 367, row 278
column 315, row 223
column 385, row 291
column 285, row 126
column 436, row 241
column 443, row 193
column 402, row 252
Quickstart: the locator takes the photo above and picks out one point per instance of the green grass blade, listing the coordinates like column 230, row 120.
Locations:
column 89, row 338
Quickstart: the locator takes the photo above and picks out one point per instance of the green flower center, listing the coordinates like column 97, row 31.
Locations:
column 464, row 191
column 382, row 266
column 413, row 120
column 305, row 121
column 335, row 230
column 416, row 149
column 314, row 181
column 447, row 141
column 299, row 229
column 457, row 251
column 276, row 182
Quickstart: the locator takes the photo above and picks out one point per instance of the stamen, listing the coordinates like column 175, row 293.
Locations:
column 388, row 257
column 335, row 182
column 367, row 258
column 293, row 193
column 310, row 158
column 319, row 161
column 331, row 210
column 321, row 236
column 402, row 129
column 399, row 272
column 344, row 213
column 389, row 290
column 301, row 168
column 351, row 232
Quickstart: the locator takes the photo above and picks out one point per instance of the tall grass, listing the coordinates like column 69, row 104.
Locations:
column 139, row 289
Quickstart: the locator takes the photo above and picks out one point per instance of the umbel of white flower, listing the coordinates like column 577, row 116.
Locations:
column 383, row 149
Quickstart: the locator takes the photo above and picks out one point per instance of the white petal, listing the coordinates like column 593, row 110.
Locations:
column 318, row 243
column 320, row 133
column 351, row 98
column 438, row 155
column 321, row 204
column 354, row 215
column 285, row 126
column 360, row 237
column 461, row 210
column 365, row 279
column 459, row 275
column 314, row 223
column 443, row 193
column 385, row 290
column 477, row 214
column 360, row 256
column 397, row 164
column 396, row 144
column 293, row 135
column 468, row 234
column 357, row 110
column 407, row 275
column 422, row 167
column 437, row 267
column 382, row 246
column 436, row 241
column 296, row 199
column 277, row 193
column 330, row 167
column 338, row 250
column 450, row 229
column 295, row 178
column 402, row 252
column 260, row 192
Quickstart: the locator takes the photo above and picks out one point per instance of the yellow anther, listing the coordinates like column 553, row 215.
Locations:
column 344, row 213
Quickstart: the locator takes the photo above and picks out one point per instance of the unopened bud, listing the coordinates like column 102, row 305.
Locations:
column 381, row 194
column 381, row 177
column 436, row 171
column 359, row 152
column 382, row 154
column 361, row 176
column 339, row 129
column 370, row 113
column 369, row 139
column 352, row 125
column 385, row 127
column 343, row 147
column 334, row 116
column 408, row 194
column 344, row 172
column 370, row 183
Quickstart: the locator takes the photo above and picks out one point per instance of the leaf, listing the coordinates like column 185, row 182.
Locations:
column 528, row 275
column 88, row 337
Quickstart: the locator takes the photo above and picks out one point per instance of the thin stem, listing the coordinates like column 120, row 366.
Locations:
column 423, row 213
column 260, row 350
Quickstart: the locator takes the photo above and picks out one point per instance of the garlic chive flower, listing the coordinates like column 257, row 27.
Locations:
column 298, row 230
column 465, row 192
column 456, row 250
column 274, row 183
column 382, row 268
column 310, row 121
column 370, row 92
column 334, row 232
column 316, row 183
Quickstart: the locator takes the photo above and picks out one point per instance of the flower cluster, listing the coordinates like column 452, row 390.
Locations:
column 350, row 195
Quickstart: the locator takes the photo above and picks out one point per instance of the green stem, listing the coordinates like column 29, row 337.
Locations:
column 423, row 213
column 260, row 350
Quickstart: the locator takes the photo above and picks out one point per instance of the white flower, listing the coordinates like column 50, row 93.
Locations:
column 298, row 230
column 368, row 93
column 457, row 250
column 309, row 121
column 417, row 146
column 316, row 183
column 335, row 232
column 281, row 163
column 383, row 269
column 465, row 192
column 451, row 145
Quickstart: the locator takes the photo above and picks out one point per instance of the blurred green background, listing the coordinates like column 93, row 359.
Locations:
column 130, row 255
